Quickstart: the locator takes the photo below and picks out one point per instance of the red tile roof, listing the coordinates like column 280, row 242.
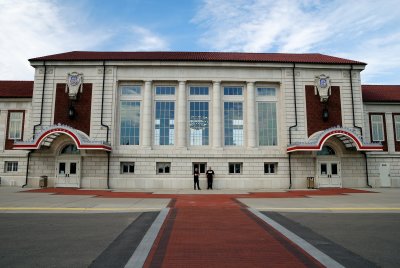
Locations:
column 381, row 93
column 16, row 89
column 196, row 56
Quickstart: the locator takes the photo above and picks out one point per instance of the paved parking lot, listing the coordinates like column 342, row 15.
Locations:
column 52, row 230
column 355, row 239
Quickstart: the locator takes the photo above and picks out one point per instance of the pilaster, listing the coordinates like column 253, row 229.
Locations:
column 251, row 116
column 147, row 114
column 181, row 115
column 217, row 116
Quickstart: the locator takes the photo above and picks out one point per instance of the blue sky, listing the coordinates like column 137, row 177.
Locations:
column 364, row 30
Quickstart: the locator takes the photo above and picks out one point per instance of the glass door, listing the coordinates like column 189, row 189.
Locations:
column 67, row 173
column 328, row 174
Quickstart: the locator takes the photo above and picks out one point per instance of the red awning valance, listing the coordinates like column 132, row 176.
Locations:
column 49, row 134
column 348, row 136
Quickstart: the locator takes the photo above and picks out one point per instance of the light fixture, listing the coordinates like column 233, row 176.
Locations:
column 71, row 112
column 325, row 113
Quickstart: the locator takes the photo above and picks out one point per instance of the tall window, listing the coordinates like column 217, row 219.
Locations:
column 267, row 116
column 267, row 126
column 130, row 96
column 199, row 115
column 130, row 122
column 15, row 125
column 233, row 116
column 233, row 123
column 164, row 120
column 377, row 127
column 164, row 133
column 396, row 120
column 198, row 123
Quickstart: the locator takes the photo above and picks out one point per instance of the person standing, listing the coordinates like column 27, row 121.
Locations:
column 210, row 173
column 196, row 175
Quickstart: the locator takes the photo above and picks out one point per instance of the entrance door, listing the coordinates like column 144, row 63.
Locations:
column 67, row 173
column 384, row 174
column 329, row 174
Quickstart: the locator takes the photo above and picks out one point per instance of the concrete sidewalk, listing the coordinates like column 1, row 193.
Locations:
column 380, row 200
column 14, row 199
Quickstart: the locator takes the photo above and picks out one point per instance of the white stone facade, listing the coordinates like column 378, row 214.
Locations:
column 391, row 157
column 13, row 177
column 93, row 165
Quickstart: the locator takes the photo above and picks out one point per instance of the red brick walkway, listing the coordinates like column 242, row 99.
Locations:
column 111, row 194
column 216, row 231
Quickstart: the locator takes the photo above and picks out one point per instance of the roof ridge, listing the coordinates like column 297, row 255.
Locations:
column 16, row 81
column 210, row 56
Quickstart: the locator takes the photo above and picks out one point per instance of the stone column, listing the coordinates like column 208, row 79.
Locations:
column 181, row 115
column 3, row 127
column 147, row 115
column 217, row 116
column 251, row 116
column 390, row 132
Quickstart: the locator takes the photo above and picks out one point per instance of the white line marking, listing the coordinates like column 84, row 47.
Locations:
column 329, row 208
column 142, row 251
column 307, row 247
column 76, row 209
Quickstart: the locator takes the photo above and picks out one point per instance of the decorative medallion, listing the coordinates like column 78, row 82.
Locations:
column 74, row 84
column 198, row 122
column 322, row 86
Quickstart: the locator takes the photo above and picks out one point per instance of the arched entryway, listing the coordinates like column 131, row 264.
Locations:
column 333, row 149
column 68, row 167
column 68, row 146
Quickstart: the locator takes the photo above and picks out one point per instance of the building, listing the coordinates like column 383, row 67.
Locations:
column 147, row 119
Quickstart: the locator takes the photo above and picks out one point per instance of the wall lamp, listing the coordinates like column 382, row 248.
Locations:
column 325, row 113
column 71, row 112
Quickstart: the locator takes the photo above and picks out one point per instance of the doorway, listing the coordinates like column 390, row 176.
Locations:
column 384, row 174
column 329, row 173
column 328, row 168
column 67, row 173
column 68, row 167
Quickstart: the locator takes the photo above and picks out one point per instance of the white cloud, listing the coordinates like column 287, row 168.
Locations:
column 383, row 57
column 36, row 28
column 256, row 26
column 42, row 27
column 364, row 30
column 141, row 39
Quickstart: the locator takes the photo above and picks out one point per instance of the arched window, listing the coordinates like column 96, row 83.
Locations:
column 70, row 149
column 326, row 150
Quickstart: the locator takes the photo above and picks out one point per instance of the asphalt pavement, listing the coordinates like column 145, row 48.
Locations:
column 52, row 230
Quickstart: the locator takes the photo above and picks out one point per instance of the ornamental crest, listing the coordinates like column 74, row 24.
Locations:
column 322, row 87
column 198, row 122
column 74, row 84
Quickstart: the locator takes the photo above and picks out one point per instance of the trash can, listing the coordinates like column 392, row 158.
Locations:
column 43, row 181
column 310, row 183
